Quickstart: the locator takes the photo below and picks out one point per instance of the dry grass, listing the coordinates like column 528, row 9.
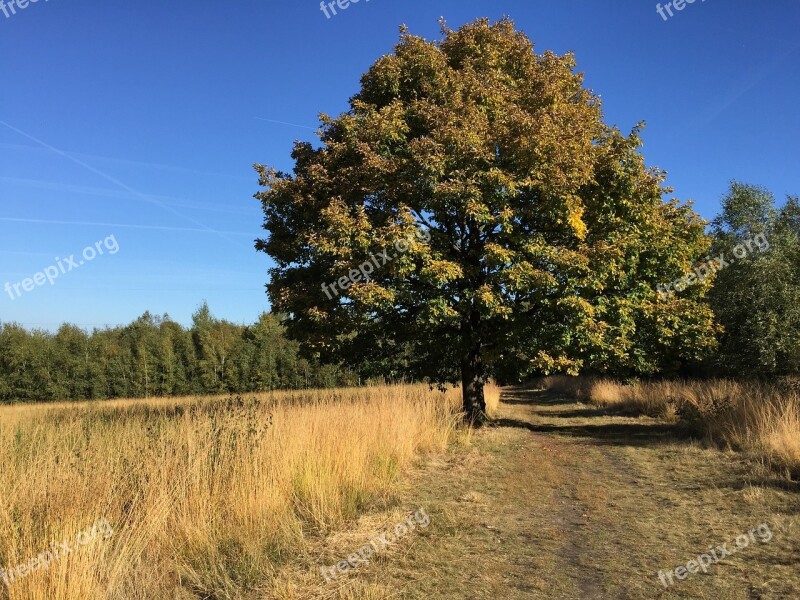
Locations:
column 763, row 419
column 571, row 387
column 604, row 392
column 206, row 495
column 492, row 393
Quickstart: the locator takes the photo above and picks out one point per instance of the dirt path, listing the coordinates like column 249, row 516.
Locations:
column 559, row 500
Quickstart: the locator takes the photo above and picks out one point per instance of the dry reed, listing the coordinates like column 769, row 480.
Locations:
column 759, row 418
column 206, row 495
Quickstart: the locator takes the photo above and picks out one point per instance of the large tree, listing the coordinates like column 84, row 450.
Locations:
column 511, row 224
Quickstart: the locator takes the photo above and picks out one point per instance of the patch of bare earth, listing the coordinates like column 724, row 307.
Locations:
column 560, row 500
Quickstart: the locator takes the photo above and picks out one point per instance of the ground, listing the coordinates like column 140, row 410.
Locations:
column 560, row 500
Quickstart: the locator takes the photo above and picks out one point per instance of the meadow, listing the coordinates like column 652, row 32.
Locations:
column 206, row 496
column 760, row 419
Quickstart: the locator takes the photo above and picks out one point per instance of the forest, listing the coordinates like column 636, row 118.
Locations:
column 155, row 356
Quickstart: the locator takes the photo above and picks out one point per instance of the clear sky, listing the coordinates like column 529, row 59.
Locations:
column 142, row 121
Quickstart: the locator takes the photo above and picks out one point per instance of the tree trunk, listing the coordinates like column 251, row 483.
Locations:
column 472, row 388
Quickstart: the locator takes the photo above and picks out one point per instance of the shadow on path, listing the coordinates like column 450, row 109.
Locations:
column 532, row 397
column 618, row 434
column 610, row 427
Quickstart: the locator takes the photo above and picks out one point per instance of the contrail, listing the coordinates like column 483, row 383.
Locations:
column 124, row 225
column 127, row 188
column 285, row 123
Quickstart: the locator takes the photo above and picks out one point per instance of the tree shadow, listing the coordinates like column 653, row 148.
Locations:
column 635, row 434
column 523, row 395
column 613, row 434
column 617, row 434
column 584, row 413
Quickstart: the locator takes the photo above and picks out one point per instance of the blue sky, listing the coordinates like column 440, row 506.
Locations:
column 142, row 121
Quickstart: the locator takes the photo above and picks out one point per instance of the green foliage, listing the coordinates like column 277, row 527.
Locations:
column 154, row 356
column 538, row 236
column 757, row 299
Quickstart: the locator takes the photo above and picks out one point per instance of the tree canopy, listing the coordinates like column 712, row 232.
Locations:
column 533, row 234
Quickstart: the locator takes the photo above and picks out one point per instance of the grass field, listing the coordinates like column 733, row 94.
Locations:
column 248, row 498
column 206, row 496
column 760, row 419
column 564, row 500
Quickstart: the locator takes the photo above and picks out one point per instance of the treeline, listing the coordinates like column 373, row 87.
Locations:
column 155, row 356
column 751, row 276
column 756, row 297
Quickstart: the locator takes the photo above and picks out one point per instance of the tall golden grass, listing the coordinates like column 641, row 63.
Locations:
column 760, row 418
column 492, row 397
column 206, row 495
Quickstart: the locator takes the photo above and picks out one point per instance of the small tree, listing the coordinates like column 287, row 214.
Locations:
column 518, row 227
